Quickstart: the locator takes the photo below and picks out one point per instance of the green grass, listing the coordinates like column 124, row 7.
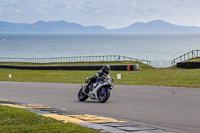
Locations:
column 14, row 120
column 147, row 75
column 157, row 77
column 193, row 60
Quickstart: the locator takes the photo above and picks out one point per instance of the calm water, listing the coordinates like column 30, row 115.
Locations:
column 139, row 46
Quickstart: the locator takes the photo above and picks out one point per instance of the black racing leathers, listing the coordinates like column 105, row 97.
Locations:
column 93, row 79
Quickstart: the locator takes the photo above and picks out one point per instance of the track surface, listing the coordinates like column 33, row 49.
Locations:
column 176, row 108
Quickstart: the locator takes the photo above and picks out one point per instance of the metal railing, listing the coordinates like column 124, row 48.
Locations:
column 187, row 56
column 110, row 58
column 74, row 59
column 161, row 64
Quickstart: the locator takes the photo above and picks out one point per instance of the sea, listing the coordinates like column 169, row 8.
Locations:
column 153, row 47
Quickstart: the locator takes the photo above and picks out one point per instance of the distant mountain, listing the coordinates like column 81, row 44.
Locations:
column 157, row 26
column 12, row 27
column 52, row 26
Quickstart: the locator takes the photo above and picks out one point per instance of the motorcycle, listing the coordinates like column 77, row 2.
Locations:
column 100, row 90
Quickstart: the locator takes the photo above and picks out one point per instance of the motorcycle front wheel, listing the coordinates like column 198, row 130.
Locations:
column 81, row 95
column 102, row 98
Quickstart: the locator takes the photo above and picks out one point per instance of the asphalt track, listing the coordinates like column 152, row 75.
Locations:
column 176, row 108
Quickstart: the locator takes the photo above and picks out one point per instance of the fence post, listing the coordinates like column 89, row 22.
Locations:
column 192, row 54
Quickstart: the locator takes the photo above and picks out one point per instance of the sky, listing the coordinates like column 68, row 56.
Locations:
column 108, row 13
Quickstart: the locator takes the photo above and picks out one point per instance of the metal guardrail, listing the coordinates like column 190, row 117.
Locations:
column 187, row 56
column 74, row 59
column 161, row 64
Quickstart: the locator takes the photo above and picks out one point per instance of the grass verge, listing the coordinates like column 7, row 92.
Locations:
column 14, row 120
column 193, row 60
column 157, row 77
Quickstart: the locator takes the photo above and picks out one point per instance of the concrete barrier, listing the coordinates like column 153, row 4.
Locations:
column 188, row 65
column 133, row 67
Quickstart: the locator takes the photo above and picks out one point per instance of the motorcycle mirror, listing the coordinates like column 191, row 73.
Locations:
column 113, row 80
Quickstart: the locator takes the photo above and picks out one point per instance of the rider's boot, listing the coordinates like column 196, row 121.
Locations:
column 86, row 89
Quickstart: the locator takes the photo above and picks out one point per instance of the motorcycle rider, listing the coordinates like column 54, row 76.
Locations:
column 103, row 72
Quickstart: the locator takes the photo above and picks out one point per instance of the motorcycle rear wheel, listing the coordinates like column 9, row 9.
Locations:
column 81, row 95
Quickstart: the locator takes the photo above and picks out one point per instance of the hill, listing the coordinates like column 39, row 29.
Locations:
column 157, row 26
column 51, row 26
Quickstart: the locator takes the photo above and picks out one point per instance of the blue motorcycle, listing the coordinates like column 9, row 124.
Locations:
column 100, row 90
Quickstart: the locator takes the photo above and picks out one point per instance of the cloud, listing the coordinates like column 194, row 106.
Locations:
column 109, row 13
column 43, row 12
column 9, row 3
column 17, row 10
column 45, row 5
column 14, row 10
